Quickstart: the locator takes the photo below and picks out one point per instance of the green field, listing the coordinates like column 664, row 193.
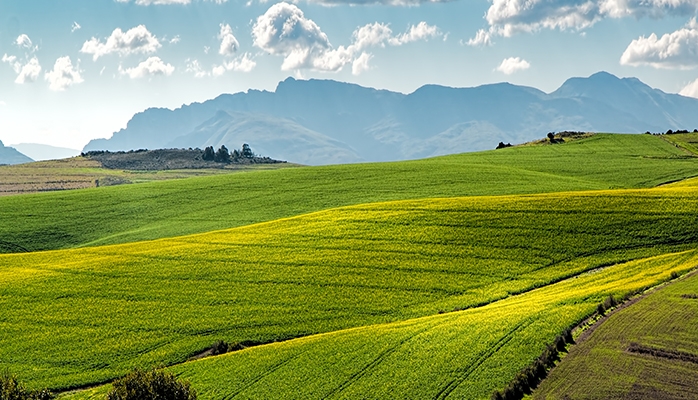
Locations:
column 602, row 367
column 465, row 354
column 423, row 279
column 147, row 211
column 73, row 317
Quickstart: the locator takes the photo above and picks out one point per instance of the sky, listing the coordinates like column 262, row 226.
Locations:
column 75, row 70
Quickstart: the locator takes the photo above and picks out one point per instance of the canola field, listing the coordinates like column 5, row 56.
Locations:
column 460, row 355
column 146, row 211
column 81, row 316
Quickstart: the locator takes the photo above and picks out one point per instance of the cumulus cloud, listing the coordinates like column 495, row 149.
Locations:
column 361, row 63
column 135, row 40
column 676, row 50
column 513, row 64
column 26, row 72
column 12, row 61
column 23, row 41
column 285, row 31
column 508, row 17
column 153, row 66
column 241, row 64
column 421, row 31
column 229, row 44
column 63, row 75
column 29, row 72
column 691, row 90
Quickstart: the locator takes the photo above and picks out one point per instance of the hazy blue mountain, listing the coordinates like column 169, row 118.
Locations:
column 277, row 138
column 10, row 155
column 40, row 152
column 324, row 121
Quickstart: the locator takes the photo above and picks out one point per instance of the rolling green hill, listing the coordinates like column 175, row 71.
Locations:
column 80, row 316
column 164, row 209
column 648, row 350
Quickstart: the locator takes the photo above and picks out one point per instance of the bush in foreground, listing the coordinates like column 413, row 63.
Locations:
column 151, row 385
column 12, row 389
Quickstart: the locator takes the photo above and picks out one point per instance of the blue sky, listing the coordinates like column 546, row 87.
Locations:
column 74, row 70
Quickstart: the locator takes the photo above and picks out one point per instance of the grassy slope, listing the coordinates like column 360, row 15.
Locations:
column 602, row 368
column 164, row 209
column 84, row 315
column 465, row 354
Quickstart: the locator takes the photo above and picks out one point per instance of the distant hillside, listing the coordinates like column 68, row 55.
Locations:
column 325, row 122
column 10, row 155
column 42, row 152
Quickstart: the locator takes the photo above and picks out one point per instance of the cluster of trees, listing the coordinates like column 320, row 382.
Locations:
column 671, row 132
column 222, row 155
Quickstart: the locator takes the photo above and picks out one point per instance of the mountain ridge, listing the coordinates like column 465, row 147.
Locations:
column 325, row 122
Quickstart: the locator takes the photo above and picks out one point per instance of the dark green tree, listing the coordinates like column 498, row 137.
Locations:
column 209, row 154
column 222, row 155
column 247, row 151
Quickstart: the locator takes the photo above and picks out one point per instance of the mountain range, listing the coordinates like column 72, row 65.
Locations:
column 10, row 155
column 326, row 122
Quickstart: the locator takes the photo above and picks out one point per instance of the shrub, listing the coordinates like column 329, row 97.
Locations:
column 12, row 389
column 220, row 347
column 150, row 385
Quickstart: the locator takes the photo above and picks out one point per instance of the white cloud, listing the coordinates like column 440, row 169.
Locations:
column 29, row 72
column 421, row 31
column 12, row 61
column 153, row 66
column 240, row 64
column 135, row 40
column 63, row 75
column 23, row 41
column 194, row 67
column 513, row 64
column 676, row 50
column 75, row 27
column 2, row 103
column 508, row 17
column 229, row 44
column 285, row 31
column 361, row 63
column 691, row 90
column 175, row 40
column 368, row 2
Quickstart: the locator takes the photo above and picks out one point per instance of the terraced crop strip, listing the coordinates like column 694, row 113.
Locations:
column 147, row 211
column 648, row 350
column 80, row 316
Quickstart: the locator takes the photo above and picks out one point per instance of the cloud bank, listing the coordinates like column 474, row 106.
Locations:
column 509, row 17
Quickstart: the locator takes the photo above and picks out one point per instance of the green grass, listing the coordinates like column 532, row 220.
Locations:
column 146, row 211
column 79, row 316
column 602, row 368
column 688, row 141
column 465, row 355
